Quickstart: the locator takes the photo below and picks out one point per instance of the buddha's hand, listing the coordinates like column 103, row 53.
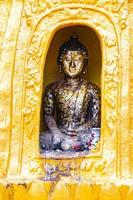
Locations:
column 82, row 128
column 68, row 132
column 57, row 136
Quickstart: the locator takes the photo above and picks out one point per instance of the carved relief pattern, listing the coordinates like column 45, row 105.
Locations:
column 39, row 16
column 34, row 10
column 112, row 78
column 32, row 81
column 32, row 76
column 54, row 171
column 33, row 69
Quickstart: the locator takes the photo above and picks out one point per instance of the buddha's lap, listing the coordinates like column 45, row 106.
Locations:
column 88, row 136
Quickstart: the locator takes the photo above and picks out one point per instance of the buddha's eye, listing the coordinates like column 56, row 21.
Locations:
column 67, row 58
column 78, row 58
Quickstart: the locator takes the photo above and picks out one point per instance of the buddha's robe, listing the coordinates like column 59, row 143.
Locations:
column 73, row 107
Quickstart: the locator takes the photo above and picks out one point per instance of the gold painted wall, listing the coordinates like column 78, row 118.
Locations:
column 130, row 7
column 26, row 31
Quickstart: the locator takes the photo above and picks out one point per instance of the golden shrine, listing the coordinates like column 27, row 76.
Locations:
column 31, row 33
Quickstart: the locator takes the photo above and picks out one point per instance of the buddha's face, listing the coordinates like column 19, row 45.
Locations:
column 73, row 63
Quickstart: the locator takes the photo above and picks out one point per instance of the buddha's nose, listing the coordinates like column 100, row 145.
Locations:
column 72, row 63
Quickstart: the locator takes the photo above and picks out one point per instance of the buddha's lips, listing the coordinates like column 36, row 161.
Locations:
column 72, row 70
column 72, row 133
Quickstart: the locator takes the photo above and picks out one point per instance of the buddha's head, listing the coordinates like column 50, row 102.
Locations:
column 73, row 57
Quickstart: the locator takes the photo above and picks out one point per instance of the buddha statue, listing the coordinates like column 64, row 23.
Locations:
column 71, row 105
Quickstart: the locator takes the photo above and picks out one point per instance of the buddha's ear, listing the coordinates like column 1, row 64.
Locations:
column 60, row 68
column 84, row 69
column 84, row 72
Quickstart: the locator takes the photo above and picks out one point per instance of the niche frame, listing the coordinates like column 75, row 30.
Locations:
column 110, row 86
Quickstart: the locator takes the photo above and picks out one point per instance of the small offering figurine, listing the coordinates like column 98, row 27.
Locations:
column 71, row 105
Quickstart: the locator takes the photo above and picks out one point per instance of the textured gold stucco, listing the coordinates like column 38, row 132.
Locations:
column 26, row 31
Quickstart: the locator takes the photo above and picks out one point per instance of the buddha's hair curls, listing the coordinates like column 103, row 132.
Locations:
column 73, row 44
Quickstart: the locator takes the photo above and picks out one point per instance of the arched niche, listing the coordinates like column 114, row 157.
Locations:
column 51, row 72
column 38, row 47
